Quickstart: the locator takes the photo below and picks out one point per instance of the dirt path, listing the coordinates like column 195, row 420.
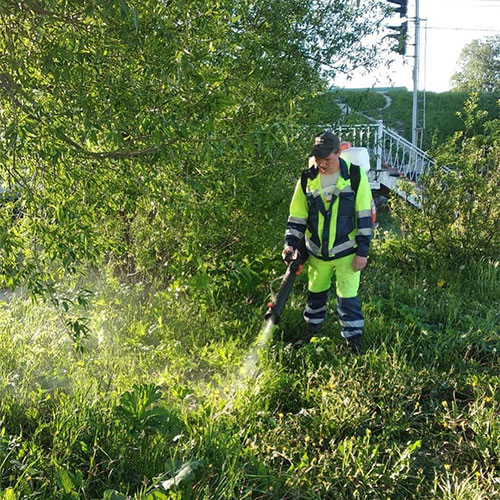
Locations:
column 346, row 110
column 388, row 101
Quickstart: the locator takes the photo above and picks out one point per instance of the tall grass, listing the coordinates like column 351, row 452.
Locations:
column 156, row 405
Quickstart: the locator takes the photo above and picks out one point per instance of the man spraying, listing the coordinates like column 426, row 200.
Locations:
column 330, row 211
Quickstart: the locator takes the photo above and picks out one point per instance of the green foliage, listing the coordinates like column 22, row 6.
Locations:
column 69, row 483
column 140, row 411
column 9, row 494
column 362, row 101
column 143, row 134
column 323, row 109
column 460, row 216
column 479, row 66
column 113, row 495
column 183, row 475
column 420, row 415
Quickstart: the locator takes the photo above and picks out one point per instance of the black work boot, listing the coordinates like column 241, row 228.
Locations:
column 312, row 331
column 354, row 344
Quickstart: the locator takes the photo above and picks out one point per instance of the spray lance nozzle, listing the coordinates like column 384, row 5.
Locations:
column 276, row 306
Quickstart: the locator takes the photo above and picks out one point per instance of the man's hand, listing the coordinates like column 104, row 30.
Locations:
column 359, row 262
column 287, row 255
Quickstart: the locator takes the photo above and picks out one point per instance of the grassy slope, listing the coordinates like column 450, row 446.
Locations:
column 414, row 417
column 441, row 111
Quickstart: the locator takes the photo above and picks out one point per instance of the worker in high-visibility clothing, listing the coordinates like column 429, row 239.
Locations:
column 335, row 224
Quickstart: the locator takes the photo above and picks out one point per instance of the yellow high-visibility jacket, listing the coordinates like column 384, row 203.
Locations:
column 332, row 229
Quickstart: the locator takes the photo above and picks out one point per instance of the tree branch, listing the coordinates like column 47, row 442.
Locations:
column 11, row 87
column 35, row 8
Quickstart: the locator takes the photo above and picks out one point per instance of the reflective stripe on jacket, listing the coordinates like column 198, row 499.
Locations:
column 335, row 229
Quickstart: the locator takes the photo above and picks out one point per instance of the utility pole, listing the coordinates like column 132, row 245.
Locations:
column 414, row 125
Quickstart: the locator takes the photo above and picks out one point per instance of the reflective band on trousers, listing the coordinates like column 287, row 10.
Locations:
column 313, row 321
column 315, row 311
column 363, row 213
column 353, row 333
column 360, row 323
column 365, row 231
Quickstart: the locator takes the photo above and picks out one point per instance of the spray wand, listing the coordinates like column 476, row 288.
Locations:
column 276, row 306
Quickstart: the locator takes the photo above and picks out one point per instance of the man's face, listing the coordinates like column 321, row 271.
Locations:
column 330, row 164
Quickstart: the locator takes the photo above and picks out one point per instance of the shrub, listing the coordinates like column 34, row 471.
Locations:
column 459, row 218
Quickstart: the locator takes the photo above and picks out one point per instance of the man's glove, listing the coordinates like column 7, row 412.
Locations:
column 287, row 255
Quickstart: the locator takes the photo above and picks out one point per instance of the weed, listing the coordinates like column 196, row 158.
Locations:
column 155, row 406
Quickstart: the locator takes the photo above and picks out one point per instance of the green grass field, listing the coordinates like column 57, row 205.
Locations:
column 441, row 111
column 156, row 405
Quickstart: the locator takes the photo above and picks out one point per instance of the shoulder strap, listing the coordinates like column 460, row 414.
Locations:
column 355, row 176
column 303, row 180
column 308, row 173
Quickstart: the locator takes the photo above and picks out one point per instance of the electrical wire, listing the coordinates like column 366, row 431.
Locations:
column 462, row 29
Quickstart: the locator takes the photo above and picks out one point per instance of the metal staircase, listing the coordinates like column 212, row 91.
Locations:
column 392, row 156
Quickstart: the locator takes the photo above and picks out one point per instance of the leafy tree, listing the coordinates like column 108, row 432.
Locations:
column 459, row 220
column 144, row 133
column 479, row 66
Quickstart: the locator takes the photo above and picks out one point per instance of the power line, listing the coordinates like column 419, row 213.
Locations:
column 462, row 29
column 472, row 3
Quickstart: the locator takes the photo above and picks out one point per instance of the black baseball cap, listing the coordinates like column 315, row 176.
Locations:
column 324, row 144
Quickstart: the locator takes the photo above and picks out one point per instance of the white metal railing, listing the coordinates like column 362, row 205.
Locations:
column 390, row 151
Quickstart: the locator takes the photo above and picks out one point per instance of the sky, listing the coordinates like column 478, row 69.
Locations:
column 451, row 24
